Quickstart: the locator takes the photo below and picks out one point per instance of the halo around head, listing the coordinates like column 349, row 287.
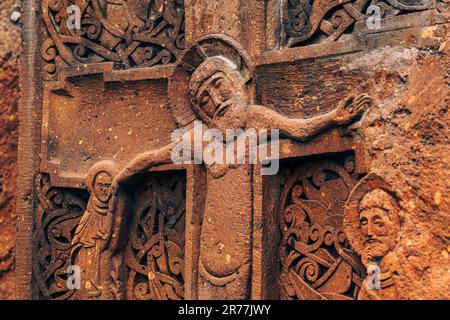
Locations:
column 218, row 51
column 108, row 166
column 207, row 69
column 352, row 228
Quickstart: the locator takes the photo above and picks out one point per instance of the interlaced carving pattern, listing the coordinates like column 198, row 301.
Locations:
column 130, row 33
column 155, row 251
column 317, row 262
column 58, row 214
column 322, row 21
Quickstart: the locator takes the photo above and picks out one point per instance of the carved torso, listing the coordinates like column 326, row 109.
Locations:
column 226, row 230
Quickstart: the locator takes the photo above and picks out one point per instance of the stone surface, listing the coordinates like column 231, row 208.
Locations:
column 9, row 95
column 407, row 140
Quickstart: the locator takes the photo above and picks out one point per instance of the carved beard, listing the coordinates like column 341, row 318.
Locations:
column 375, row 251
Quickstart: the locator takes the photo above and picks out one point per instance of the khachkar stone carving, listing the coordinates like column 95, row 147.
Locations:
column 372, row 224
column 313, row 21
column 127, row 32
column 58, row 214
column 154, row 254
column 317, row 262
column 96, row 235
column 212, row 83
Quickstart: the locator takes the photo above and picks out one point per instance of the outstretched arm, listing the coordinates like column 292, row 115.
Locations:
column 349, row 109
column 145, row 161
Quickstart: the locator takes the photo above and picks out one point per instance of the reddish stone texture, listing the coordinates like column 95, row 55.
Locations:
column 8, row 144
column 8, row 176
column 407, row 140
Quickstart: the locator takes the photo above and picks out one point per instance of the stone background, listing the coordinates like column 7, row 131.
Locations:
column 406, row 134
column 9, row 49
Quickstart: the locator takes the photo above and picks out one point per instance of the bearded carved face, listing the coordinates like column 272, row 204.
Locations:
column 378, row 225
column 102, row 185
column 218, row 94
column 213, row 95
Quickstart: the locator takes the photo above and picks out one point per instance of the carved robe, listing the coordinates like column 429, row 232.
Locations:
column 387, row 281
column 89, row 243
column 387, row 290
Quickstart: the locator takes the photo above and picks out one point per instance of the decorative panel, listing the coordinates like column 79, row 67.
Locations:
column 154, row 254
column 317, row 261
column 320, row 21
column 129, row 33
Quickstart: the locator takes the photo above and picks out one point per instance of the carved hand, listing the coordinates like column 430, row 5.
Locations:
column 367, row 257
column 352, row 108
column 102, row 234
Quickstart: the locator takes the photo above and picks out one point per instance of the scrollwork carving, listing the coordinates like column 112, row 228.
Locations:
column 317, row 262
column 58, row 214
column 315, row 21
column 155, row 251
column 130, row 33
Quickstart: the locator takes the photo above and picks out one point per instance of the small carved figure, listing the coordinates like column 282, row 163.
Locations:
column 218, row 96
column 91, row 243
column 372, row 223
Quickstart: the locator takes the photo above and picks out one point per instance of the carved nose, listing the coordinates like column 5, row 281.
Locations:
column 216, row 97
column 369, row 231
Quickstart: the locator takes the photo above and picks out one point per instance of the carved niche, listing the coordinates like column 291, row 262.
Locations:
column 58, row 213
column 131, row 33
column 372, row 224
column 154, row 255
column 140, row 255
column 316, row 258
column 315, row 21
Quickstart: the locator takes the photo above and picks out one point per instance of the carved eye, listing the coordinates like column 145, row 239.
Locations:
column 108, row 185
column 363, row 222
column 218, row 83
column 378, row 221
column 379, row 224
column 205, row 100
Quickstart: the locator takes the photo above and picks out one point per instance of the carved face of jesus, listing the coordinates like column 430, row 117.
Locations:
column 219, row 94
column 102, row 184
column 214, row 94
column 377, row 227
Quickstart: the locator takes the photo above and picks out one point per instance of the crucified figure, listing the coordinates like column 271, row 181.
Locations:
column 219, row 99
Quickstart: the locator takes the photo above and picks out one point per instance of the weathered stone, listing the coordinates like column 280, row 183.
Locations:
column 362, row 114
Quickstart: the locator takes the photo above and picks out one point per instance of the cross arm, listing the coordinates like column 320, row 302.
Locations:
column 349, row 109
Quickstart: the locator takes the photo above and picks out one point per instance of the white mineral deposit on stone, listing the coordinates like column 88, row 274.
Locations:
column 15, row 16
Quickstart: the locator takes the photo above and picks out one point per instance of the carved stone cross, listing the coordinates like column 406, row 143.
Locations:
column 109, row 214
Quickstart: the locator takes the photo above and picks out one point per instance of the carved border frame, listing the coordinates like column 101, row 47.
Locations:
column 29, row 141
